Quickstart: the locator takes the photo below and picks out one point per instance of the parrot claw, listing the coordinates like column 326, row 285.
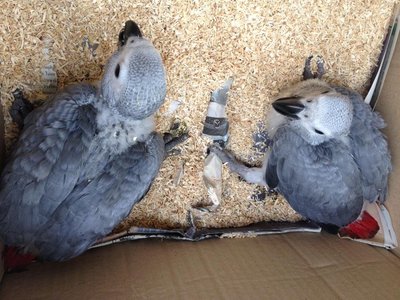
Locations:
column 308, row 74
column 178, row 134
column 224, row 155
column 245, row 172
column 261, row 139
column 172, row 143
column 259, row 193
column 320, row 67
column 20, row 108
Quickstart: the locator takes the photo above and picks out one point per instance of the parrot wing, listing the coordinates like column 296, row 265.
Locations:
column 45, row 166
column 95, row 207
column 320, row 182
column 369, row 148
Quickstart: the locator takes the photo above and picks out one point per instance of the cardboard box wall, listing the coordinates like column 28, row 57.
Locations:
column 290, row 266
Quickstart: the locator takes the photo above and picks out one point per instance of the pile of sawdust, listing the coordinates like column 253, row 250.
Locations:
column 262, row 44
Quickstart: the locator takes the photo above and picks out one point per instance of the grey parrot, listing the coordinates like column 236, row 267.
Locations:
column 328, row 154
column 85, row 157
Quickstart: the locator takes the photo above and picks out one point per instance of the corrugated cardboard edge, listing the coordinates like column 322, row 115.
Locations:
column 386, row 106
column 386, row 236
column 380, row 73
column 194, row 234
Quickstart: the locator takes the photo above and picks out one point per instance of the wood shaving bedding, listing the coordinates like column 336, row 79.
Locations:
column 262, row 44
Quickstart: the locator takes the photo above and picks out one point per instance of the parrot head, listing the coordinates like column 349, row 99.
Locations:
column 134, row 84
column 318, row 112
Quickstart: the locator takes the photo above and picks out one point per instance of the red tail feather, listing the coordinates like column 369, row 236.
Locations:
column 15, row 261
column 364, row 228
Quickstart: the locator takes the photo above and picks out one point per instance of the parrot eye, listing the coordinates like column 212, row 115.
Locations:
column 318, row 131
column 117, row 71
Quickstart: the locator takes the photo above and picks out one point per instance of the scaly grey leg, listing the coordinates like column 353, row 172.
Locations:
column 307, row 73
column 249, row 174
column 20, row 108
column 320, row 67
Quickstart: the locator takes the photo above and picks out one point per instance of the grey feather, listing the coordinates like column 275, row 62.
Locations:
column 369, row 148
column 320, row 182
column 95, row 207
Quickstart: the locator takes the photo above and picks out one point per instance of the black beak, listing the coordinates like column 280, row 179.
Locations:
column 289, row 106
column 130, row 29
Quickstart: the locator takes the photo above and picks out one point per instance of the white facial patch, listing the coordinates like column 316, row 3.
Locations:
column 333, row 115
column 324, row 117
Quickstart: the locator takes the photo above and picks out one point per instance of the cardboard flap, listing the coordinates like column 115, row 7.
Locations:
column 293, row 266
column 193, row 234
column 389, row 106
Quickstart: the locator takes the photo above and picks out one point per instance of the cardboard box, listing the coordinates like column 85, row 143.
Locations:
column 287, row 266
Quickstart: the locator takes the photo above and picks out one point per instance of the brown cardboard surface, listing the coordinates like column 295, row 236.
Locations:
column 389, row 106
column 293, row 266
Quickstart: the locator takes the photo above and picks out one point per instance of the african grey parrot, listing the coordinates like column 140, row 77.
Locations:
column 328, row 153
column 86, row 157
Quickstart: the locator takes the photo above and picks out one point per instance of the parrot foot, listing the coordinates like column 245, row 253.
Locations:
column 320, row 67
column 224, row 155
column 308, row 74
column 249, row 174
column 177, row 134
column 259, row 194
column 20, row 108
column 261, row 139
